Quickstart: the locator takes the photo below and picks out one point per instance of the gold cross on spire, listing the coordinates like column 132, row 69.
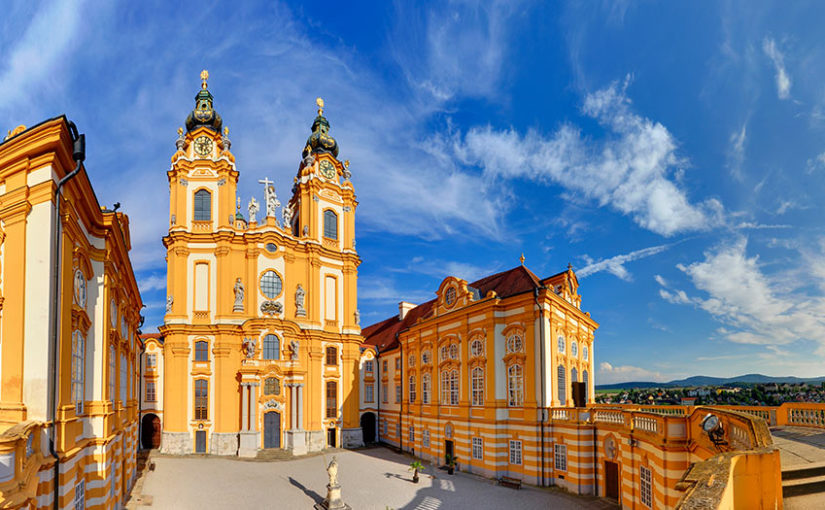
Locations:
column 320, row 103
column 204, row 77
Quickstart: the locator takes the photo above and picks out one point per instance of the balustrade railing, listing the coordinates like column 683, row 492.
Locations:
column 645, row 423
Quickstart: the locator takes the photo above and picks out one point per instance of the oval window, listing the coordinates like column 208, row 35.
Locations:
column 271, row 284
column 271, row 247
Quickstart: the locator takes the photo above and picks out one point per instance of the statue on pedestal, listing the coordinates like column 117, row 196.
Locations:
column 253, row 210
column 300, row 294
column 333, row 500
column 238, row 290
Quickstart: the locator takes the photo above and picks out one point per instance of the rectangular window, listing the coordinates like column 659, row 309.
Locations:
column 398, row 430
column 332, row 399
column 454, row 388
column 330, row 224
column 425, row 438
column 203, row 205
column 412, row 434
column 201, row 286
column 398, row 363
column 384, row 428
column 151, row 360
column 478, row 448
column 385, row 367
column 515, row 452
column 478, row 386
column 112, row 374
column 368, row 393
column 561, row 457
column 201, row 350
column 647, row 488
column 330, row 299
column 80, row 495
column 425, row 389
column 397, row 393
column 201, row 399
column 151, row 396
column 123, row 371
column 78, row 369
column 412, row 389
column 368, row 367
column 384, row 393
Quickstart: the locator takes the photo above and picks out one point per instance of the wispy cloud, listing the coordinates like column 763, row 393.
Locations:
column 610, row 374
column 736, row 151
column 783, row 81
column 443, row 268
column 628, row 172
column 615, row 265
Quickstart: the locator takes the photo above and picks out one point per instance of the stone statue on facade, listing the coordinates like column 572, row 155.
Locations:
column 169, row 301
column 287, row 213
column 249, row 347
column 238, row 290
column 333, row 500
column 294, row 346
column 357, row 317
column 253, row 210
column 272, row 202
column 300, row 311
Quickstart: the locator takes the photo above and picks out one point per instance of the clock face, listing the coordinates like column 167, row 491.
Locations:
column 203, row 145
column 327, row 169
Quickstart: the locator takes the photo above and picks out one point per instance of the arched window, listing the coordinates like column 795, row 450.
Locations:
column 445, row 387
column 201, row 399
column 332, row 356
column 454, row 388
column 574, row 375
column 444, row 352
column 425, row 357
column 412, row 389
column 425, row 388
column 272, row 386
column 562, row 389
column 411, row 361
column 330, row 224
column 584, row 380
column 574, row 349
column 477, row 348
column 272, row 348
column 112, row 373
column 477, row 384
column 201, row 350
column 585, row 352
column 203, row 205
column 515, row 386
column 514, row 343
column 78, row 370
column 561, row 344
column 332, row 399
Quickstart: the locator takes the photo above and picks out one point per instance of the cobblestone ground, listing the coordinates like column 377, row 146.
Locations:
column 374, row 478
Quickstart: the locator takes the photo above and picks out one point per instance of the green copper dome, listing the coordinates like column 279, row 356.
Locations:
column 204, row 114
column 320, row 141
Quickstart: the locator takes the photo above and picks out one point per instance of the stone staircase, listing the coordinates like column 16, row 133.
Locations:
column 803, row 479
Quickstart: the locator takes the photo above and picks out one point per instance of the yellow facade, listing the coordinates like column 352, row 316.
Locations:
column 261, row 334
column 68, row 355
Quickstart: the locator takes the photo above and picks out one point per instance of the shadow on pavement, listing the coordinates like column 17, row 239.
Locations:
column 309, row 492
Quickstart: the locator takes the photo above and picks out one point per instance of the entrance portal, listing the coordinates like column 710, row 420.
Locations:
column 331, row 434
column 611, row 480
column 272, row 429
column 150, row 431
column 368, row 427
column 448, row 451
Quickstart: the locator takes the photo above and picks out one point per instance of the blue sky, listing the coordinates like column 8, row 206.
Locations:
column 674, row 153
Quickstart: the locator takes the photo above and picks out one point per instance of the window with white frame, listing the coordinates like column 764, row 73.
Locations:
column 385, row 366
column 454, row 351
column 574, row 349
column 477, row 348
column 368, row 366
column 397, row 393
column 412, row 433
column 78, row 370
column 574, row 375
column 585, row 352
column 425, row 389
column 515, row 452
column 112, row 373
column 562, row 385
column 384, row 392
column 515, row 386
column 426, row 357
column 151, row 360
column 584, row 380
column 398, row 363
column 369, row 393
column 425, row 438
column 80, row 495
column 384, row 427
column 514, row 343
column 398, row 430
column 412, row 388
column 478, row 448
column 561, row 457
column 411, row 360
column 444, row 352
column 445, row 387
column 561, row 344
column 124, row 370
column 151, row 393
column 477, row 385
column 647, row 488
column 454, row 387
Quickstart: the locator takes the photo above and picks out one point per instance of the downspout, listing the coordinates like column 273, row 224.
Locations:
column 542, row 364
column 401, row 403
column 140, row 394
column 78, row 155
column 378, row 395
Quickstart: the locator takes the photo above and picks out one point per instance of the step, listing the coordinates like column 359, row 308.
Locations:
column 803, row 471
column 802, row 486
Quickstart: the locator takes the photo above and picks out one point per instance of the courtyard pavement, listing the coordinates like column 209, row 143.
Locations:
column 371, row 478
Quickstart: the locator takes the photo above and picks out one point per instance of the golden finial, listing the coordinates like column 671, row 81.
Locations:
column 346, row 163
column 320, row 103
column 226, row 133
column 522, row 259
column 204, row 77
column 238, row 207
column 180, row 131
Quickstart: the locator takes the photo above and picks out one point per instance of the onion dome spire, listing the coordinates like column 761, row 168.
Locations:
column 204, row 114
column 320, row 141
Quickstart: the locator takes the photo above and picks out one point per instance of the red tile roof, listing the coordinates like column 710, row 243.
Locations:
column 384, row 334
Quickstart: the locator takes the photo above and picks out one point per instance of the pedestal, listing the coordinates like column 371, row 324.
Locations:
column 352, row 438
column 249, row 444
column 333, row 501
column 296, row 442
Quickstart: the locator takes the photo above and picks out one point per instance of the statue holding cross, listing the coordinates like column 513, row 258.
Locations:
column 272, row 202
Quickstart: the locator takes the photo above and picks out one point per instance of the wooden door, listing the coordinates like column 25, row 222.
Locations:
column 448, row 450
column 200, row 441
column 611, row 476
column 155, row 432
column 272, row 430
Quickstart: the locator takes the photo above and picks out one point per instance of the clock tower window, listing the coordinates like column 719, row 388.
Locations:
column 330, row 224
column 203, row 205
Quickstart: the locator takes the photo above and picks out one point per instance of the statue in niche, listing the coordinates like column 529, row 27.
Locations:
column 357, row 317
column 287, row 212
column 306, row 230
column 293, row 346
column 300, row 294
column 249, row 347
column 253, row 210
column 169, row 301
column 238, row 290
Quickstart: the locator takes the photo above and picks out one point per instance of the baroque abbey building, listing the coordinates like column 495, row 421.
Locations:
column 261, row 338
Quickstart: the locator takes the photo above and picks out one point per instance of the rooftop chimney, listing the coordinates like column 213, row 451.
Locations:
column 403, row 308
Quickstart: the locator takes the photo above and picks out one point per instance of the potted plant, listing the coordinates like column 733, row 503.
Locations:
column 415, row 467
column 451, row 463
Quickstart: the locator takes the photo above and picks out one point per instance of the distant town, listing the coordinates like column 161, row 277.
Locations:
column 769, row 394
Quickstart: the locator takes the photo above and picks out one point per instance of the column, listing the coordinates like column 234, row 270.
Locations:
column 300, row 424
column 253, row 405
column 245, row 407
column 292, row 406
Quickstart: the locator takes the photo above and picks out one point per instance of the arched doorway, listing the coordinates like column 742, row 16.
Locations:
column 150, row 431
column 368, row 427
column 272, row 429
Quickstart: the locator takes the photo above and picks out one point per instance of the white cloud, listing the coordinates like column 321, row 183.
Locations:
column 756, row 308
column 444, row 268
column 783, row 81
column 615, row 265
column 610, row 374
column 816, row 163
column 736, row 151
column 629, row 171
column 152, row 282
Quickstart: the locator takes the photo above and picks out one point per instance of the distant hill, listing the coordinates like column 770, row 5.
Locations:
column 703, row 380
